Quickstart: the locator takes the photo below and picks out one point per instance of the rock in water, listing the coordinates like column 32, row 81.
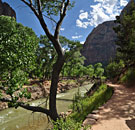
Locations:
column 5, row 9
column 100, row 44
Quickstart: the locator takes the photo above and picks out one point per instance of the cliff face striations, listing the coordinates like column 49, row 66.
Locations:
column 5, row 9
column 100, row 44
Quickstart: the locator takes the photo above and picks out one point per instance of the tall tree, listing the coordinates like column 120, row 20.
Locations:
column 44, row 9
column 46, row 55
column 126, row 37
column 18, row 46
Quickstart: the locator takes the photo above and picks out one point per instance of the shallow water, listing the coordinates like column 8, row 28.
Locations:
column 21, row 119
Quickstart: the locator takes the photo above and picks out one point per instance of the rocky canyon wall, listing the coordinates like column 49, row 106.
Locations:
column 5, row 9
column 100, row 43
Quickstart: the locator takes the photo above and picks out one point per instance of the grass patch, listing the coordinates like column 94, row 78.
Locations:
column 86, row 105
column 66, row 124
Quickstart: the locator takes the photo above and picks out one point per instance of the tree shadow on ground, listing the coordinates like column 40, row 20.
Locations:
column 121, row 105
column 131, row 124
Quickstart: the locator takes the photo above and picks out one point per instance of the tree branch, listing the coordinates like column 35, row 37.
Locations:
column 28, row 107
column 30, row 2
column 62, row 15
column 35, row 108
column 30, row 6
column 50, row 18
column 39, row 15
column 40, row 18
column 39, row 7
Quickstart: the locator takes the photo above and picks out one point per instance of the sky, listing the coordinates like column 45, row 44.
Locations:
column 79, row 21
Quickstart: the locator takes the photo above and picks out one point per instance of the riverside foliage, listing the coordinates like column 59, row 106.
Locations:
column 125, row 58
column 18, row 45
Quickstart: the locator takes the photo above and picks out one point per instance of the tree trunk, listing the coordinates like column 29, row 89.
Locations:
column 54, row 84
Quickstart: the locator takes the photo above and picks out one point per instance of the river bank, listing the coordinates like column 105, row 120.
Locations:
column 21, row 119
column 41, row 90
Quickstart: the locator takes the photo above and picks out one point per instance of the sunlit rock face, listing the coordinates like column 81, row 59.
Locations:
column 5, row 9
column 100, row 43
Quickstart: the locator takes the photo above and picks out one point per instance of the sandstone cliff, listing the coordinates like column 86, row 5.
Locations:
column 5, row 9
column 100, row 43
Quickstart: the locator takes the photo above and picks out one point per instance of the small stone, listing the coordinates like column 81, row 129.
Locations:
column 101, row 108
column 89, row 121
column 93, row 116
column 70, row 110
column 95, row 111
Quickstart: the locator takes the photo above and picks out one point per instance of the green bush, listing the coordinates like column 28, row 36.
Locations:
column 129, row 77
column 114, row 69
column 88, row 104
column 66, row 124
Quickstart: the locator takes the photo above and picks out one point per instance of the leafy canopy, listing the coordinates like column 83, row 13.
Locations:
column 126, row 36
column 17, row 55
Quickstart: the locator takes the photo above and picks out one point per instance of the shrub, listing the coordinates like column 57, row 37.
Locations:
column 114, row 69
column 66, row 124
column 129, row 77
column 88, row 104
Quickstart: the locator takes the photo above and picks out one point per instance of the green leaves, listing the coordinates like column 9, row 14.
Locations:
column 18, row 45
column 99, row 71
column 126, row 36
column 114, row 69
column 53, row 7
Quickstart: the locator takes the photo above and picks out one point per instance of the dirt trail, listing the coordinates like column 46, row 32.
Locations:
column 119, row 112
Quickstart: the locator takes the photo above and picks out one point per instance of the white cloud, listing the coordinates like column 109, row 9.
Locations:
column 76, row 37
column 83, row 15
column 81, row 11
column 102, row 10
column 81, row 24
column 123, row 2
column 82, row 42
column 62, row 29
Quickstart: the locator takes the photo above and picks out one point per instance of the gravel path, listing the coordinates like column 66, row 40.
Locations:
column 119, row 112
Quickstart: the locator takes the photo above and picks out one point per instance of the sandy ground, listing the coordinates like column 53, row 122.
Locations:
column 119, row 112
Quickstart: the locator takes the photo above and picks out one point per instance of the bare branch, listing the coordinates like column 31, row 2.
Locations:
column 30, row 2
column 40, row 18
column 35, row 108
column 62, row 6
column 62, row 15
column 28, row 107
column 39, row 7
column 39, row 15
column 50, row 18
column 31, row 6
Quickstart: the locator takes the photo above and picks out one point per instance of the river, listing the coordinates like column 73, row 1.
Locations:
column 21, row 119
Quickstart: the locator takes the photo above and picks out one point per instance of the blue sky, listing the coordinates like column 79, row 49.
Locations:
column 79, row 21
